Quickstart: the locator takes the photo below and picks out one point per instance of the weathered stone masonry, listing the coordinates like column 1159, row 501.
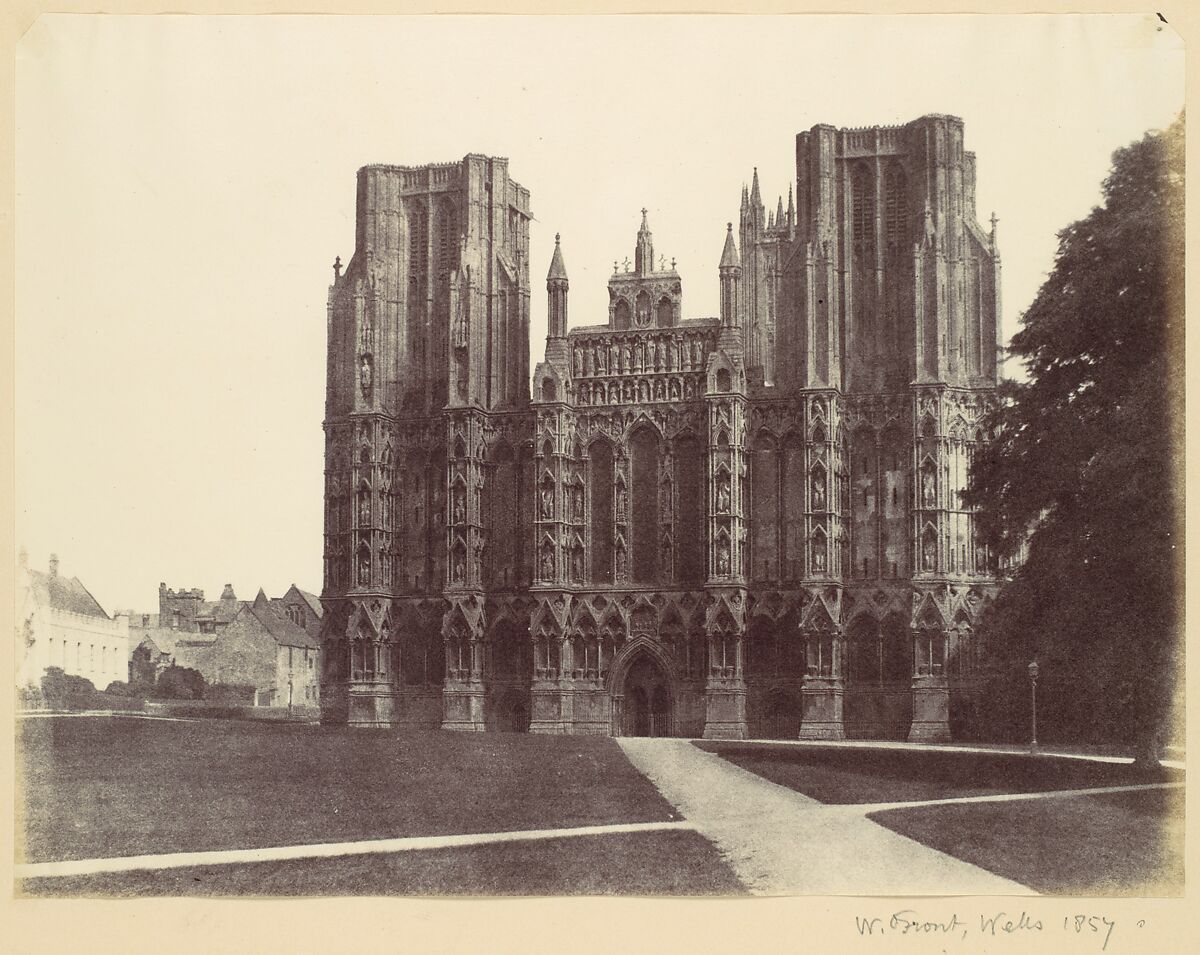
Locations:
column 742, row 525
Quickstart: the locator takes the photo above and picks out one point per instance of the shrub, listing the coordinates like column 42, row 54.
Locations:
column 179, row 683
column 63, row 691
column 131, row 690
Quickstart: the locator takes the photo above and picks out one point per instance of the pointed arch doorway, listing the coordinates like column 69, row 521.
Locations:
column 643, row 698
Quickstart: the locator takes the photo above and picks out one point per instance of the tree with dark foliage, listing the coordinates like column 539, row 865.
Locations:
column 1086, row 472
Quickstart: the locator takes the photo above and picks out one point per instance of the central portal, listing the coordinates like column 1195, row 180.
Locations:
column 647, row 703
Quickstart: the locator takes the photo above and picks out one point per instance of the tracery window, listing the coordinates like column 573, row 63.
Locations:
column 645, row 450
column 862, row 206
column 895, row 205
column 418, row 240
column 689, row 510
column 600, row 472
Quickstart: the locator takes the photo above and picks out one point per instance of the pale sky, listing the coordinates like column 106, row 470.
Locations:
column 184, row 183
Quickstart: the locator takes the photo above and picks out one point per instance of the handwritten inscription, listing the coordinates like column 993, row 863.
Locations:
column 993, row 925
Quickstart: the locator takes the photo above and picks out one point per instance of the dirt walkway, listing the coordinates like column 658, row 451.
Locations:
column 779, row 841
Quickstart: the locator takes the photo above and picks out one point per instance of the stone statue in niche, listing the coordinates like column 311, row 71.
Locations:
column 723, row 495
column 818, row 491
column 577, row 505
column 460, row 512
column 643, row 312
column 578, row 363
column 364, row 376
column 723, row 558
column 927, row 491
column 928, row 554
column 577, row 565
column 547, row 503
column 364, row 569
column 364, row 510
column 459, row 569
column 660, row 392
column 620, row 563
column 621, row 505
column 547, row 565
column 819, row 558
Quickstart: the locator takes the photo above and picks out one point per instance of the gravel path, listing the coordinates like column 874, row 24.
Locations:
column 781, row 842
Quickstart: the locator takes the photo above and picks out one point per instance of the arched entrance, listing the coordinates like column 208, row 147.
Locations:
column 512, row 714
column 781, row 715
column 644, row 699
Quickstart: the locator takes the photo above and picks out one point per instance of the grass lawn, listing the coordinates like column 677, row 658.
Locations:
column 115, row 786
column 1108, row 844
column 648, row 863
column 832, row 774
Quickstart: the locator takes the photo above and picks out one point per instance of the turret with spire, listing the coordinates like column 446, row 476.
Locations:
column 643, row 257
column 556, row 308
column 556, row 290
column 730, row 271
column 757, row 211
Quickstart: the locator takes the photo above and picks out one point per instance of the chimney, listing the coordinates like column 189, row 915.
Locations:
column 227, row 595
column 54, row 565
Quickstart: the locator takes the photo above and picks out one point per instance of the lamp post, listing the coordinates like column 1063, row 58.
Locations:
column 1033, row 676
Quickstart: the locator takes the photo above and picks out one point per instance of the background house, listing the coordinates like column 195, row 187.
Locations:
column 60, row 624
column 267, row 644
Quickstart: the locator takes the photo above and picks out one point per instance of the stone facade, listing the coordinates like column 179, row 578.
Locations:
column 742, row 525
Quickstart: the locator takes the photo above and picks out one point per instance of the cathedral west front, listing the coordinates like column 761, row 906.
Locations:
column 740, row 526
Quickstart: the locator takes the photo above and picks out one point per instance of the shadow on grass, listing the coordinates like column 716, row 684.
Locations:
column 1110, row 844
column 845, row 775
column 112, row 786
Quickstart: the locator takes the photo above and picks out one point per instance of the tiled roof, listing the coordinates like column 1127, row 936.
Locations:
column 61, row 593
column 313, row 601
column 282, row 631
